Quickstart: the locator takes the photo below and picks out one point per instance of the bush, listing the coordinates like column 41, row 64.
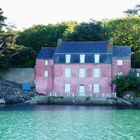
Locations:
column 125, row 83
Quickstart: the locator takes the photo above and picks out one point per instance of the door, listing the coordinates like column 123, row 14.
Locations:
column 82, row 90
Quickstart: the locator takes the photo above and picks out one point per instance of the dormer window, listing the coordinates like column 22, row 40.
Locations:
column 67, row 58
column 82, row 58
column 96, row 58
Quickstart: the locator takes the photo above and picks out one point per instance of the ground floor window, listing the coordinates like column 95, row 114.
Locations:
column 96, row 88
column 67, row 88
column 82, row 89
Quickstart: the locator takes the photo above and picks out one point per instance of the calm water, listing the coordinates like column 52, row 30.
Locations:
column 68, row 123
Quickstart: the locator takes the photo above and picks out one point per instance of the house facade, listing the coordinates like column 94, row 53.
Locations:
column 81, row 68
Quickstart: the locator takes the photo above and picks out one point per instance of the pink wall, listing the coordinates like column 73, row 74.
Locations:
column 125, row 68
column 56, row 78
column 44, row 84
column 104, row 80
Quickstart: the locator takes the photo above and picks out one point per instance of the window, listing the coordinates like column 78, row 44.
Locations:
column 45, row 73
column 96, row 88
column 67, row 73
column 82, row 73
column 67, row 57
column 81, row 88
column 96, row 72
column 82, row 58
column 96, row 58
column 138, row 75
column 119, row 73
column 46, row 62
column 119, row 62
column 67, row 87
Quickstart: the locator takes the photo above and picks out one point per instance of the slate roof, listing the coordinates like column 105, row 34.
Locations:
column 121, row 52
column 87, row 48
column 83, row 47
column 46, row 53
column 105, row 58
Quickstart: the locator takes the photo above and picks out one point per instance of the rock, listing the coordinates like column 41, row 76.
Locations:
column 11, row 92
column 42, row 99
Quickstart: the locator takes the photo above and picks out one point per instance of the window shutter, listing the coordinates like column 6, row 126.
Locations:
column 82, row 73
column 96, row 58
column 68, row 58
column 67, row 73
column 82, row 58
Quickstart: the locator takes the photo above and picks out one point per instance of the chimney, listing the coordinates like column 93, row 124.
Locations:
column 110, row 45
column 59, row 42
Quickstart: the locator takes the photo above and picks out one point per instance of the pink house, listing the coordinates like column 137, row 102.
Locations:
column 81, row 68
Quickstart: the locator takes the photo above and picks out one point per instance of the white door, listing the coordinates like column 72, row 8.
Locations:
column 96, row 88
column 82, row 90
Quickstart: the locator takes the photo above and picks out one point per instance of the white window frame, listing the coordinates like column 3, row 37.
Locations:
column 96, row 72
column 82, row 58
column 80, row 87
column 96, row 58
column 67, row 88
column 68, row 58
column 119, row 73
column 119, row 62
column 96, row 88
column 46, row 73
column 46, row 62
column 82, row 73
column 67, row 72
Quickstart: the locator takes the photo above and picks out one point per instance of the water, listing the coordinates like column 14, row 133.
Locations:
column 68, row 123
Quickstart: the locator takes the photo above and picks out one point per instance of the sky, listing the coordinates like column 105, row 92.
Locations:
column 25, row 13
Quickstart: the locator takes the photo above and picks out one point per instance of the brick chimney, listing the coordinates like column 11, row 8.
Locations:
column 110, row 45
column 59, row 42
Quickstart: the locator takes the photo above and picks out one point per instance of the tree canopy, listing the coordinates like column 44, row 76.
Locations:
column 124, row 31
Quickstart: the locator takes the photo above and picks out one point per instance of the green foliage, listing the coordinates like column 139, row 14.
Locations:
column 2, row 19
column 41, row 35
column 24, row 57
column 125, row 83
column 125, row 31
column 92, row 31
column 133, row 12
column 5, row 61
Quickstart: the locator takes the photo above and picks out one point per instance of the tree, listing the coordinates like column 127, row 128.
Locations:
column 126, row 83
column 133, row 12
column 2, row 20
column 125, row 31
column 92, row 31
column 45, row 36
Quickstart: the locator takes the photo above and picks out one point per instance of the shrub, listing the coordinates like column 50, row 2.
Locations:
column 125, row 83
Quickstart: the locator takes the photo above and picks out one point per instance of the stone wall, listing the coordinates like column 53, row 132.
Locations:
column 19, row 75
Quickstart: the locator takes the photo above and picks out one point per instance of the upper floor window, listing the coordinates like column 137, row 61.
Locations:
column 96, row 72
column 82, row 73
column 45, row 73
column 96, row 58
column 67, row 73
column 67, row 58
column 119, row 62
column 46, row 62
column 82, row 58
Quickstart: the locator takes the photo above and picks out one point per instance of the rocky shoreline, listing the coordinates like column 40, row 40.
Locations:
column 11, row 93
